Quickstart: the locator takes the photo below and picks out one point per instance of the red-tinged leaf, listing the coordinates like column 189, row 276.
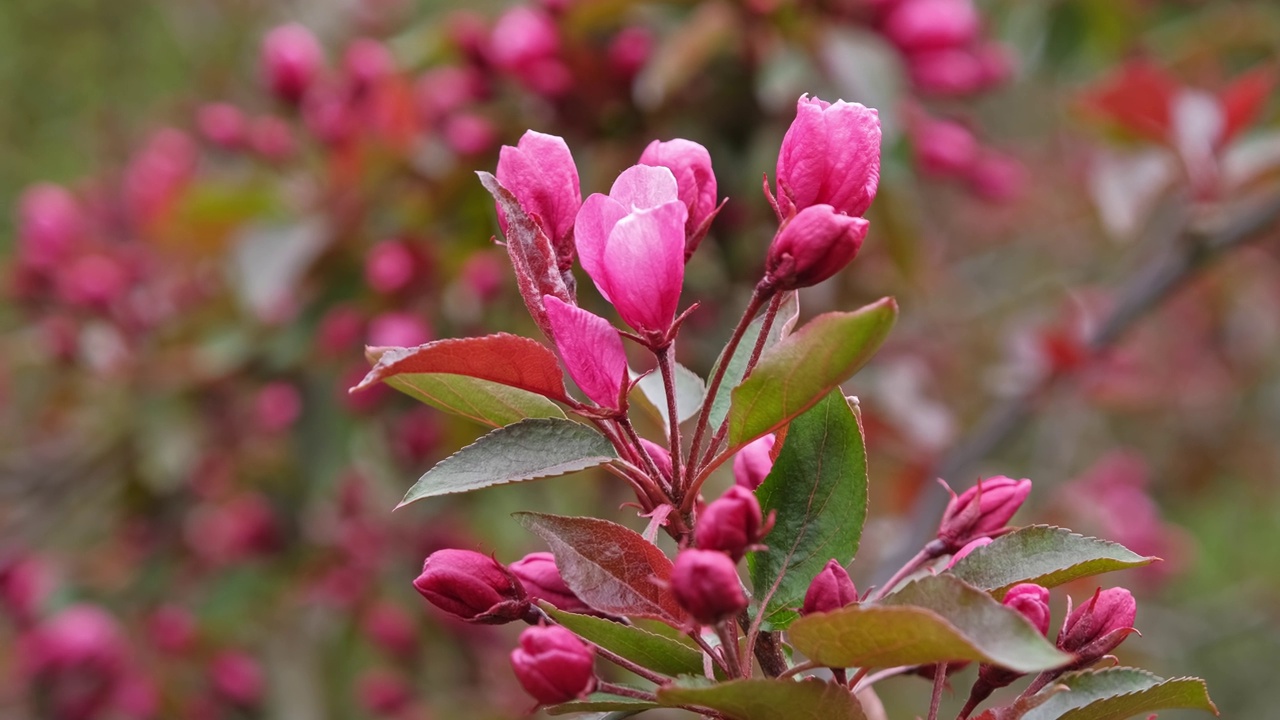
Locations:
column 505, row 359
column 1244, row 99
column 612, row 568
column 1138, row 98
column 532, row 255
column 766, row 699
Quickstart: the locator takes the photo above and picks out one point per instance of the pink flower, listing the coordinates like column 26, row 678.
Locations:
column 830, row 155
column 172, row 629
column 753, row 462
column 398, row 329
column 237, row 677
column 1033, row 602
column 277, row 407
column 997, row 177
column 540, row 172
column 222, row 124
column 540, row 576
column 473, row 587
column 932, row 24
column 367, row 61
column 291, row 60
column 76, row 659
column 630, row 50
column 553, row 665
column 272, row 139
column 526, row 44
column 830, row 590
column 947, row 73
column 444, row 90
column 705, row 583
column 469, row 134
column 392, row 629
column 631, row 242
column 1097, row 627
column 812, row 246
column 591, row 350
column 384, row 693
column 695, row 180
column 93, row 281
column 389, row 266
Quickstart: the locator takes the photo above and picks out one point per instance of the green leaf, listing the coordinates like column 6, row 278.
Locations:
column 529, row 449
column 934, row 619
column 599, row 701
column 818, row 487
column 1044, row 555
column 690, row 390
column 767, row 699
column 788, row 313
column 485, row 402
column 800, row 370
column 660, row 654
column 1120, row 693
column 611, row 568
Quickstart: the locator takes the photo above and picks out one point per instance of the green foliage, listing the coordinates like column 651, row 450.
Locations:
column 658, row 653
column 767, row 699
column 1120, row 693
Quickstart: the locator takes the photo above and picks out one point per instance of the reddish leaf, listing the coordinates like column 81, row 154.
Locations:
column 532, row 255
column 505, row 359
column 1138, row 98
column 612, row 568
column 1243, row 100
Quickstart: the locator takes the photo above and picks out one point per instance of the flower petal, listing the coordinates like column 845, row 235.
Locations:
column 644, row 266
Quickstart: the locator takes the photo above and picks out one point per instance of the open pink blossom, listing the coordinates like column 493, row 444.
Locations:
column 631, row 242
column 591, row 349
column 830, row 155
column 541, row 173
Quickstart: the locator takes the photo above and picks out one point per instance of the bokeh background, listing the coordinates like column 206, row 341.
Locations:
column 193, row 264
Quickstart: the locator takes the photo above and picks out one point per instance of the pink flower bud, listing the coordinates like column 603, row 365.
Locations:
column 690, row 163
column 982, row 510
column 389, row 266
column 997, row 178
column 753, row 462
column 444, row 90
column 631, row 242
column 391, row 628
column 1033, row 602
column 291, row 60
column 137, row 697
column 470, row 134
column 998, row 63
column 830, row 155
column 398, row 329
column 366, row 62
column 237, row 677
column 944, row 147
column 384, row 693
column 521, row 37
column 277, row 407
column 541, row 578
column 591, row 350
column 172, row 629
column 26, row 582
column 340, row 331
column 76, row 660
column 830, row 590
column 812, row 246
column 540, row 172
column 328, row 115
column 272, row 139
column 932, row 24
column 553, row 665
column 705, row 583
column 660, row 455
column 630, row 50
column 946, row 73
column 222, row 124
column 92, row 281
column 50, row 222
column 969, row 547
column 1097, row 627
column 731, row 524
column 472, row 586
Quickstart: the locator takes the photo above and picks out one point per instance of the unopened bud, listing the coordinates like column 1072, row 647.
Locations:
column 1097, row 627
column 731, row 524
column 981, row 511
column 541, row 578
column 472, row 586
column 1032, row 601
column 291, row 59
column 812, row 246
column 830, row 590
column 553, row 665
column 753, row 462
column 705, row 583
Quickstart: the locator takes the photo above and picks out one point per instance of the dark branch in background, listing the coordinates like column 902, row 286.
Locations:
column 1182, row 256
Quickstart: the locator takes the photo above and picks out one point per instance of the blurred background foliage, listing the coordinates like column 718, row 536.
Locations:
column 180, row 444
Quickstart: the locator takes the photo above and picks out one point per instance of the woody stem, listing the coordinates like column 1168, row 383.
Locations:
column 666, row 365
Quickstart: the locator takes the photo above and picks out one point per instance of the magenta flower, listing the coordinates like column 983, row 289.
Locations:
column 553, row 665
column 732, row 524
column 540, row 172
column 541, row 578
column 812, row 246
column 695, row 180
column 932, row 24
column 830, row 155
column 830, row 590
column 631, row 242
column 1032, row 601
column 473, row 587
column 943, row 147
column 1097, row 627
column 222, row 124
column 705, row 583
column 981, row 511
column 291, row 60
column 50, row 222
column 753, row 462
column 591, row 350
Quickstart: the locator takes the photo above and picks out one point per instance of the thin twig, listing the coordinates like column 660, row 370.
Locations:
column 624, row 691
column 1183, row 255
column 939, row 681
column 666, row 364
